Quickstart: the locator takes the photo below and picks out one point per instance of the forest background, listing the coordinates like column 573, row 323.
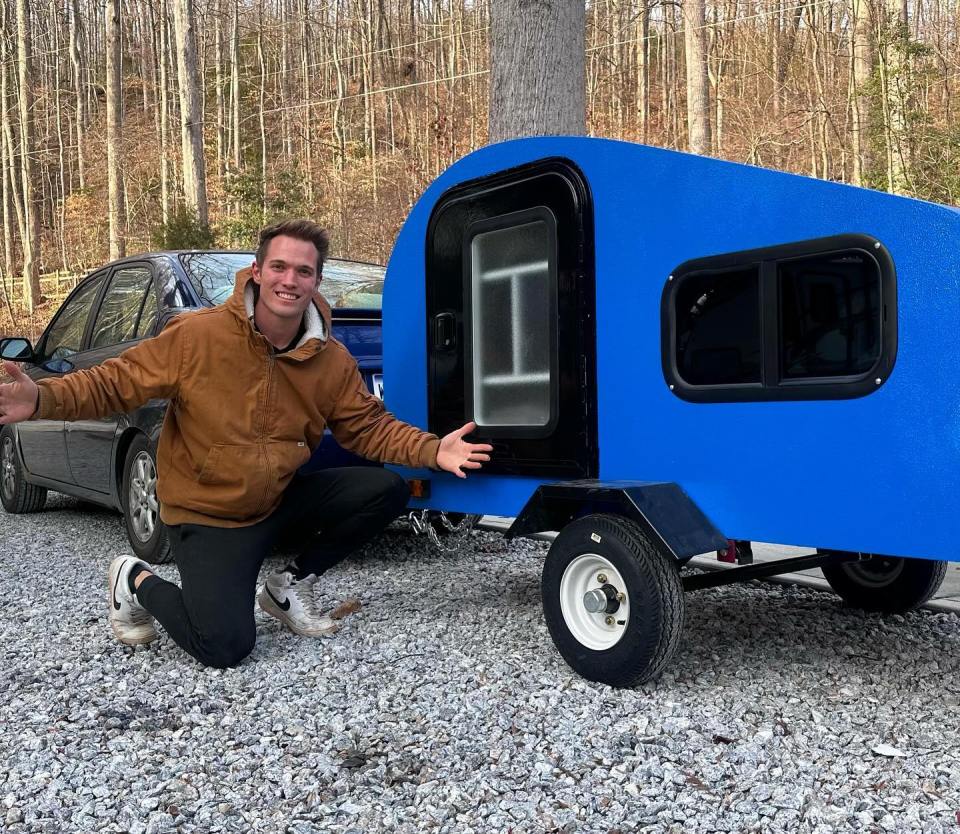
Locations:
column 128, row 125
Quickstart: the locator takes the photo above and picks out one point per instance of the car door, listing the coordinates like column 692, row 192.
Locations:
column 42, row 442
column 127, row 312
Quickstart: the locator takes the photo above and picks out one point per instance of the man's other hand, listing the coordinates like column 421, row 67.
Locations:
column 18, row 399
column 455, row 455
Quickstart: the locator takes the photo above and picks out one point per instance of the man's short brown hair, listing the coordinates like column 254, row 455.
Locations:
column 301, row 229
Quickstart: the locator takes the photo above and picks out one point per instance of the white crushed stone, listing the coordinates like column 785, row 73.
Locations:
column 442, row 706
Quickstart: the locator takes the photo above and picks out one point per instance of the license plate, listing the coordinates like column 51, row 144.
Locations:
column 377, row 385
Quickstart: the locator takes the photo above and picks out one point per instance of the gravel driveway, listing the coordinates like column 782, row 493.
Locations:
column 442, row 706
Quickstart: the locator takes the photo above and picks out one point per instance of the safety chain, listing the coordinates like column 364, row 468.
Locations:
column 422, row 522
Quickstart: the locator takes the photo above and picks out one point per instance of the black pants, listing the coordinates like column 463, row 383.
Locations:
column 211, row 616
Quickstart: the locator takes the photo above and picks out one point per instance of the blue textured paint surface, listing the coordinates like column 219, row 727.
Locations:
column 875, row 474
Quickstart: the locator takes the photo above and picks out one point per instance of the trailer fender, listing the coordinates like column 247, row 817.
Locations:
column 662, row 509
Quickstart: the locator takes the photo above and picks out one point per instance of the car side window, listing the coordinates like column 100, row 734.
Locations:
column 148, row 315
column 120, row 313
column 65, row 336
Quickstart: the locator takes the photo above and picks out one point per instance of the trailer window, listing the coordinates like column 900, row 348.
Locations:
column 830, row 316
column 718, row 328
column 812, row 320
column 512, row 302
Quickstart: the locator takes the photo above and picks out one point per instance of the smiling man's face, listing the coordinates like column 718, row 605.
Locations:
column 287, row 279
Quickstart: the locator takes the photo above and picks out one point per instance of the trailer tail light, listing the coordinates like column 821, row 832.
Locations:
column 419, row 487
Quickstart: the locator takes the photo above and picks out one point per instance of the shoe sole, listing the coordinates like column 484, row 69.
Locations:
column 270, row 607
column 127, row 641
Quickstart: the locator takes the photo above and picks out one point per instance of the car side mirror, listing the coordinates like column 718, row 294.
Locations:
column 16, row 349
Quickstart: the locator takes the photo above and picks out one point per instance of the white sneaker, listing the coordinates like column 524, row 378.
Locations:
column 131, row 622
column 291, row 601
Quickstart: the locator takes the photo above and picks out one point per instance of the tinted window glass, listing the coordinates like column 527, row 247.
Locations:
column 213, row 274
column 148, row 315
column 120, row 311
column 352, row 284
column 511, row 283
column 718, row 327
column 830, row 315
column 65, row 335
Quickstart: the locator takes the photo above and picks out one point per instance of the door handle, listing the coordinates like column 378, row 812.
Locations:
column 444, row 332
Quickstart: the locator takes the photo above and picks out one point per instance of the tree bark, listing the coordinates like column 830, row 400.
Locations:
column 31, row 239
column 191, row 124
column 699, row 138
column 115, row 194
column 537, row 68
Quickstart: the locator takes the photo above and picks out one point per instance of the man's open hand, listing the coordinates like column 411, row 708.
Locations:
column 455, row 455
column 18, row 399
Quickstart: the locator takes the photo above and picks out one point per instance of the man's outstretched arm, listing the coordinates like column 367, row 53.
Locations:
column 146, row 371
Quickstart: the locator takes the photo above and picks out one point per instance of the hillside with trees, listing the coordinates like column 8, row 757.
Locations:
column 136, row 124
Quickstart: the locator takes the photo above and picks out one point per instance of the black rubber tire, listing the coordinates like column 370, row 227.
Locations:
column 154, row 550
column 652, row 578
column 16, row 495
column 886, row 584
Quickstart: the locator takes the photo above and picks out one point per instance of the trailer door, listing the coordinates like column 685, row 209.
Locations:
column 510, row 306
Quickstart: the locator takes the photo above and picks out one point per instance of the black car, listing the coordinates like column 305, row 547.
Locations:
column 112, row 461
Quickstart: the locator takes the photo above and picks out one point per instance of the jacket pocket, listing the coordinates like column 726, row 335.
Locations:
column 233, row 481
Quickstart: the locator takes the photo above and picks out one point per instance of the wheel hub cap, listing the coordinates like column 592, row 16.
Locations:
column 594, row 601
column 142, row 497
column 8, row 472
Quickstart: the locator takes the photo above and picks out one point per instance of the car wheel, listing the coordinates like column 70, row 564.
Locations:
column 886, row 584
column 16, row 495
column 613, row 601
column 141, row 508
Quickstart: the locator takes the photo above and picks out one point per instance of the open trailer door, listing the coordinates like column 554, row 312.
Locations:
column 510, row 308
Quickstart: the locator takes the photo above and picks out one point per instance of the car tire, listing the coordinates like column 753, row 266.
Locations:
column 886, row 584
column 633, row 643
column 16, row 495
column 141, row 507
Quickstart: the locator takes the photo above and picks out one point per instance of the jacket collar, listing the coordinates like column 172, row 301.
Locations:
column 316, row 318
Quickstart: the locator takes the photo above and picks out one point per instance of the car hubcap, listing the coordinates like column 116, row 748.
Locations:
column 594, row 601
column 142, row 497
column 877, row 572
column 8, row 472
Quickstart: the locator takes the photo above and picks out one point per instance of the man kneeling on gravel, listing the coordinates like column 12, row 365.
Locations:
column 251, row 384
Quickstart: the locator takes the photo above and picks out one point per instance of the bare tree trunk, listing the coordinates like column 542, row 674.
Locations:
column 78, row 82
column 643, row 70
column 698, row 80
column 191, row 124
column 261, row 58
column 542, row 96
column 31, row 240
column 6, row 147
column 218, row 58
column 235, row 83
column 115, row 201
column 165, row 189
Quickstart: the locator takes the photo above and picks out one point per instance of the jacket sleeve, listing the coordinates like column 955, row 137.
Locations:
column 148, row 370
column 361, row 424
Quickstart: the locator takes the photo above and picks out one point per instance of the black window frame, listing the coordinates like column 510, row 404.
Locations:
column 495, row 224
column 771, row 386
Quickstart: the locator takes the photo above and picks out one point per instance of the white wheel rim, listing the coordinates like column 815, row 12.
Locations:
column 142, row 497
column 8, row 472
column 597, row 631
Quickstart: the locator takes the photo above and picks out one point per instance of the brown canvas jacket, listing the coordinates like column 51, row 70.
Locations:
column 242, row 419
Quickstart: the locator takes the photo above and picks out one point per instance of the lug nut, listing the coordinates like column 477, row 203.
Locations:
column 602, row 578
column 621, row 596
column 609, row 620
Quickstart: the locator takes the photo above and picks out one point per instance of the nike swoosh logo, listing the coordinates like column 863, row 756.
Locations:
column 116, row 604
column 283, row 606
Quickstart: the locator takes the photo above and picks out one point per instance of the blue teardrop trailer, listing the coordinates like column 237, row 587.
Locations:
column 667, row 351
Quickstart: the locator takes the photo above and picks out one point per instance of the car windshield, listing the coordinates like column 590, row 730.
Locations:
column 344, row 284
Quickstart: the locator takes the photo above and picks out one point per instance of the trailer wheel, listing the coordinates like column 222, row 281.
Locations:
column 886, row 584
column 613, row 601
